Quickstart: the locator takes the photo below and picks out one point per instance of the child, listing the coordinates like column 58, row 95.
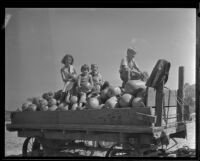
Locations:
column 85, row 84
column 97, row 78
column 69, row 75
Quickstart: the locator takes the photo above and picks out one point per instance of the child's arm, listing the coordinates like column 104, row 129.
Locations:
column 91, row 81
column 79, row 81
column 101, row 81
column 62, row 75
column 74, row 74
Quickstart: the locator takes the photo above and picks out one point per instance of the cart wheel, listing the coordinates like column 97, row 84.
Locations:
column 32, row 147
column 118, row 151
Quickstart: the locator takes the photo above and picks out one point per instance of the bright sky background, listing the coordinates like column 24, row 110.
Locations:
column 37, row 39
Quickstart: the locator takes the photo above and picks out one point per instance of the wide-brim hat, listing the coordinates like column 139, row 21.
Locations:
column 131, row 51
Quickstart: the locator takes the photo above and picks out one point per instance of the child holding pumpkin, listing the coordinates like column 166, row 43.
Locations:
column 97, row 78
column 69, row 76
column 85, row 84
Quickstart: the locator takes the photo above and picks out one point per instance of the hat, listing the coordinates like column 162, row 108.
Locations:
column 131, row 51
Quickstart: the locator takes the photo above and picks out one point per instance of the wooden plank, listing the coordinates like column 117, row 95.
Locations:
column 113, row 137
column 159, row 105
column 146, row 117
column 86, row 127
column 151, row 97
column 123, row 116
column 29, row 133
column 180, row 94
column 37, row 117
column 120, row 116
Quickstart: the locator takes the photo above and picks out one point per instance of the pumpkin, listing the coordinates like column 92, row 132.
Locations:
column 101, row 106
column 52, row 108
column 125, row 100
column 74, row 106
column 92, row 103
column 36, row 100
column 25, row 105
column 113, row 91
column 85, row 87
column 43, row 108
column 63, row 108
column 31, row 107
column 132, row 86
column 111, row 102
column 42, row 105
column 141, row 93
column 104, row 94
column 48, row 95
column 73, row 99
column 138, row 102
column 52, row 102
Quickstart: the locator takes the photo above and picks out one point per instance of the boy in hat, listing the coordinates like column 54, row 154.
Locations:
column 129, row 68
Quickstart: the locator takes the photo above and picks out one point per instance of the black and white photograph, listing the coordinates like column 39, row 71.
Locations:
column 100, row 82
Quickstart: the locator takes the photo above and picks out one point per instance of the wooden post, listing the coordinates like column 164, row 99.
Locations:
column 159, row 104
column 180, row 106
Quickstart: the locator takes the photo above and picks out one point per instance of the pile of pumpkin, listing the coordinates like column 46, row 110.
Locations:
column 132, row 95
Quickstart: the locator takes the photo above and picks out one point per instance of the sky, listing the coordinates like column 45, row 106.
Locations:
column 37, row 39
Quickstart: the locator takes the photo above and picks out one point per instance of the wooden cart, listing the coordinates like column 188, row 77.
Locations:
column 134, row 132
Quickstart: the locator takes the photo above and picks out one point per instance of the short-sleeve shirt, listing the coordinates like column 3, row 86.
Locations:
column 84, row 79
column 67, row 71
column 131, row 65
column 97, row 79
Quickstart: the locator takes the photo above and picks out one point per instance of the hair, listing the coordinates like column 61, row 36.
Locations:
column 85, row 66
column 66, row 57
column 94, row 65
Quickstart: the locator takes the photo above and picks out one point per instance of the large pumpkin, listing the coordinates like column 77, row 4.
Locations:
column 52, row 108
column 25, row 105
column 86, row 87
column 31, row 107
column 141, row 93
column 132, row 86
column 104, row 94
column 125, row 100
column 48, row 95
column 111, row 102
column 62, row 107
column 138, row 102
column 73, row 99
column 52, row 102
column 92, row 103
column 74, row 106
column 36, row 100
column 42, row 105
column 113, row 91
column 43, row 108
